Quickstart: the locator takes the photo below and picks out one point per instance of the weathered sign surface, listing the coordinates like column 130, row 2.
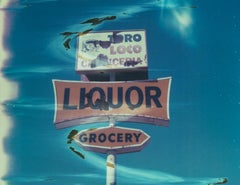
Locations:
column 111, row 50
column 79, row 102
column 115, row 139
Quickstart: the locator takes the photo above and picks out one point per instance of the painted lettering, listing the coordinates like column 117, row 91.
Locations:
column 92, row 138
column 83, row 138
column 119, row 97
column 114, row 97
column 128, row 97
column 119, row 137
column 155, row 97
column 122, row 49
column 102, row 137
column 122, row 61
column 127, row 37
column 66, row 100
column 137, row 136
column 128, row 137
column 110, row 137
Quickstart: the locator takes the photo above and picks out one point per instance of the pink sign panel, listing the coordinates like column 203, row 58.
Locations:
column 116, row 139
column 79, row 102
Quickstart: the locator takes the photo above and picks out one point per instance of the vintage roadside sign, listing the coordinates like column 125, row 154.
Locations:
column 111, row 50
column 79, row 102
column 114, row 139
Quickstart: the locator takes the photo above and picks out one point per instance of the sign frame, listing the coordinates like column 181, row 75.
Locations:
column 111, row 51
column 124, row 148
column 76, row 116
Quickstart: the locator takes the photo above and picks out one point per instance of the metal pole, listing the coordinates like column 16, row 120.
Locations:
column 111, row 161
column 111, row 156
column 112, row 76
column 111, row 169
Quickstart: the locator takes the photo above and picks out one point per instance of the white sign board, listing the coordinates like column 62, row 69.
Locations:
column 111, row 50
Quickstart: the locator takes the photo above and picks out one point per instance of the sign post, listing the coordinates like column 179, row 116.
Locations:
column 116, row 98
column 111, row 163
column 111, row 169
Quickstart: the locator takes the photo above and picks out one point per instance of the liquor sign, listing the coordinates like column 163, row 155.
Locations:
column 111, row 50
column 112, row 139
column 79, row 102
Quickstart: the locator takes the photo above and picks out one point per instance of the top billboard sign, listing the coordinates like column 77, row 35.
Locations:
column 79, row 102
column 111, row 50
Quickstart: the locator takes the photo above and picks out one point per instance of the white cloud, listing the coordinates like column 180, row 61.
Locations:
column 182, row 21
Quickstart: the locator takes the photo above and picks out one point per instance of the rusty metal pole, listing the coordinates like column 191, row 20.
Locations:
column 111, row 169
column 111, row 156
column 111, row 162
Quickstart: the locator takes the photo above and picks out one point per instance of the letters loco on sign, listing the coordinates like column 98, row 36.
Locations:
column 135, row 101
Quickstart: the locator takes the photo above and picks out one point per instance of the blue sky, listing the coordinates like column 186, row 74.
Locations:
column 197, row 46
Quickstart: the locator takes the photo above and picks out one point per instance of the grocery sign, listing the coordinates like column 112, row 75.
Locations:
column 114, row 139
column 111, row 50
column 79, row 102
